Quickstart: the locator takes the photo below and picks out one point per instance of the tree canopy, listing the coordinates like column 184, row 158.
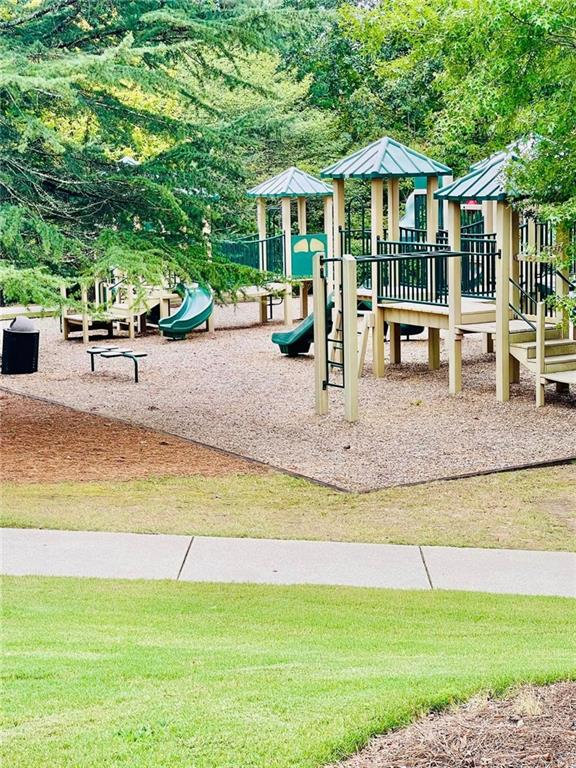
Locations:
column 125, row 125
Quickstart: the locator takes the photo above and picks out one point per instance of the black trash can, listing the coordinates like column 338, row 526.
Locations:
column 20, row 347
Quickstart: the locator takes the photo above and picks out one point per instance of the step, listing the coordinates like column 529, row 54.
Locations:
column 562, row 377
column 553, row 364
column 553, row 347
column 560, row 363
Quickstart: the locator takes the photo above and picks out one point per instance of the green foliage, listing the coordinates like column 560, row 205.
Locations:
column 84, row 84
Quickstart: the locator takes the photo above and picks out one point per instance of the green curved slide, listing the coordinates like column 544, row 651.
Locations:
column 196, row 308
column 298, row 341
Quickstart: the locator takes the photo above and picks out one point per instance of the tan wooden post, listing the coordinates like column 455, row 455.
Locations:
column 540, row 353
column 302, row 230
column 287, row 230
column 261, row 222
column 377, row 232
column 320, row 361
column 207, row 233
column 503, row 244
column 515, row 275
column 338, row 216
column 85, row 318
column 329, row 230
column 532, row 237
column 431, row 209
column 454, row 301
column 431, row 229
column 301, row 212
column 64, row 311
column 433, row 349
column 488, row 214
column 130, row 309
column 393, row 209
column 562, row 287
column 350, row 309
column 446, row 180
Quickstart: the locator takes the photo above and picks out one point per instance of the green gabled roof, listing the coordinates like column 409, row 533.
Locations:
column 487, row 181
column 291, row 183
column 385, row 158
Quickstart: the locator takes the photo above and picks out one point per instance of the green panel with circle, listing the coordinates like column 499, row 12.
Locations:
column 303, row 249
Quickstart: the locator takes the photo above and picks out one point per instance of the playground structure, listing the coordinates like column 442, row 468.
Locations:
column 287, row 254
column 125, row 307
column 474, row 281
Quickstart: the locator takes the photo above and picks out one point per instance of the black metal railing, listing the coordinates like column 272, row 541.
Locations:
column 254, row 253
column 419, row 275
column 412, row 235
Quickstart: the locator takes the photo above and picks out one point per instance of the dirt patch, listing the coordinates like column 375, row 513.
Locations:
column 534, row 728
column 42, row 442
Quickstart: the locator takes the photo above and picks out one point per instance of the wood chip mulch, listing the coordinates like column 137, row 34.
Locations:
column 41, row 442
column 534, row 728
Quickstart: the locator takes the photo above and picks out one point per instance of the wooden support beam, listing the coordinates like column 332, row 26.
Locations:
column 488, row 215
column 562, row 286
column 63, row 311
column 377, row 233
column 85, row 317
column 540, row 353
column 338, row 220
column 350, row 314
column 433, row 349
column 431, row 209
column 395, row 344
column 393, row 209
column 320, row 361
column 301, row 213
column 514, row 260
column 503, row 245
column 261, row 222
column 286, row 206
column 367, row 328
column 454, row 301
column 329, row 230
column 487, row 343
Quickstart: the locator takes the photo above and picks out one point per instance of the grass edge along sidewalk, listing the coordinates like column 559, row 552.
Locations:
column 528, row 509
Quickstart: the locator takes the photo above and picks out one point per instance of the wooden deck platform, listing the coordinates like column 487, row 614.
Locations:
column 474, row 312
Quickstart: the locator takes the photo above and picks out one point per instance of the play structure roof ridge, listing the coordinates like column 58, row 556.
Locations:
column 385, row 158
column 292, row 182
column 486, row 181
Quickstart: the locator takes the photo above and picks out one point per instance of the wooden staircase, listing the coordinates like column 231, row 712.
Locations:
column 547, row 353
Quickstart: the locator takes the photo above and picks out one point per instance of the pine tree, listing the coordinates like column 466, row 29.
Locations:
column 81, row 85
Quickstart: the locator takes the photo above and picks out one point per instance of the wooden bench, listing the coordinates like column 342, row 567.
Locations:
column 116, row 352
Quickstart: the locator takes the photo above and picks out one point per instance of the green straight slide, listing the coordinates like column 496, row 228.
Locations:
column 196, row 308
column 298, row 341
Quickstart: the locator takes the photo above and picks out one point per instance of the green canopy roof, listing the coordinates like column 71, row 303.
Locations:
column 487, row 181
column 385, row 158
column 291, row 183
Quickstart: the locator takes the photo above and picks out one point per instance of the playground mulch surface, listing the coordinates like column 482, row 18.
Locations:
column 535, row 728
column 233, row 390
column 43, row 442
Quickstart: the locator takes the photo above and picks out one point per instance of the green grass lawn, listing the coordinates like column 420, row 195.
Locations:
column 103, row 674
column 530, row 509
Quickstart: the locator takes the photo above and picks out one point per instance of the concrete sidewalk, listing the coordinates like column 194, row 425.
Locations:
column 266, row 561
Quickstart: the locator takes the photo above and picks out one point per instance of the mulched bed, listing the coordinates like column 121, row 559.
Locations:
column 42, row 442
column 234, row 390
column 534, row 728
